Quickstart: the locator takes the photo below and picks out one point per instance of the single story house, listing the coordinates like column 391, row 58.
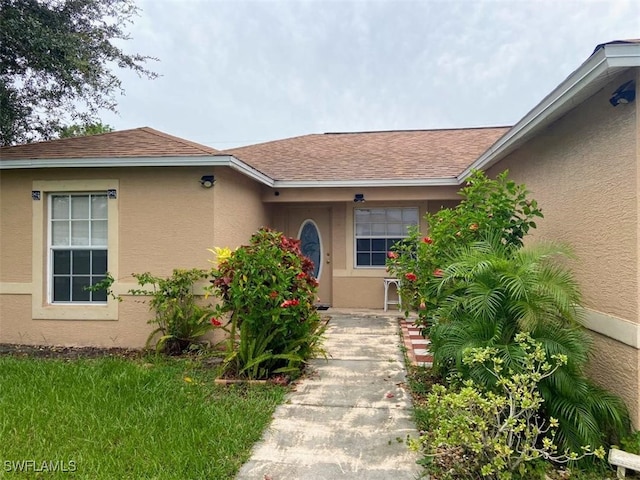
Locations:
column 141, row 200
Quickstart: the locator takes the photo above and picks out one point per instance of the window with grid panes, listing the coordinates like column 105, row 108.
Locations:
column 77, row 247
column 377, row 229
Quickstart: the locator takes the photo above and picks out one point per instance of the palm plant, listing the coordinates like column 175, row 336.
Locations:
column 491, row 291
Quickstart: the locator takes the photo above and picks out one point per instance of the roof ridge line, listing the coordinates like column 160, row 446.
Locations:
column 409, row 130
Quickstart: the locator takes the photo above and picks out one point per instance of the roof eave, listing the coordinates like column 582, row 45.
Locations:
column 111, row 162
column 604, row 63
column 390, row 182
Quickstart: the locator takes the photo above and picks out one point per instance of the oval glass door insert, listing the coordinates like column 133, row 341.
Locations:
column 311, row 245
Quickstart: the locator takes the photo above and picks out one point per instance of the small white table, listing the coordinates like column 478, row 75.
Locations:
column 387, row 283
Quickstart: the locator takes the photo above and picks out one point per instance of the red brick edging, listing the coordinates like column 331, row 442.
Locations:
column 417, row 346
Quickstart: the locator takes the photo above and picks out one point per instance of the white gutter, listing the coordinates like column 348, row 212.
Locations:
column 243, row 168
column 608, row 57
column 110, row 162
column 216, row 161
column 391, row 182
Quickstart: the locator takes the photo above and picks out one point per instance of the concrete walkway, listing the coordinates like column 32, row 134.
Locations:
column 348, row 420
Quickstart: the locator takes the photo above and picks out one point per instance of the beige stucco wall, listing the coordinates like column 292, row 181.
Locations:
column 239, row 209
column 165, row 220
column 354, row 287
column 614, row 366
column 15, row 226
column 583, row 171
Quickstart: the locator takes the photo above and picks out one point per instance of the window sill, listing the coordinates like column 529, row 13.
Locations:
column 108, row 311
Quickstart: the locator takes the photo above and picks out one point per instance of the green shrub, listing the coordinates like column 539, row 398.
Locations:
column 180, row 320
column 267, row 292
column 488, row 206
column 475, row 285
column 487, row 295
column 498, row 434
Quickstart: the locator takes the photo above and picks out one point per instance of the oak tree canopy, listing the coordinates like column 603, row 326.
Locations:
column 57, row 63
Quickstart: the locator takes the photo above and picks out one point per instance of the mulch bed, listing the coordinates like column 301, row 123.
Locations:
column 65, row 353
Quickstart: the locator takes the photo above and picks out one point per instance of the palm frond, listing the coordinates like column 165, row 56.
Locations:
column 488, row 294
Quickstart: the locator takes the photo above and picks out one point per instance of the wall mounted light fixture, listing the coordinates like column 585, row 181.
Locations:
column 207, row 181
column 626, row 93
column 358, row 198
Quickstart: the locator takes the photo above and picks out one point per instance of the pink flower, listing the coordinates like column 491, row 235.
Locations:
column 290, row 303
column 215, row 322
column 427, row 240
column 438, row 272
column 392, row 255
column 410, row 276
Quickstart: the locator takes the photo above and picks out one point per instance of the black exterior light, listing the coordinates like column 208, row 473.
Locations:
column 626, row 93
column 207, row 181
column 358, row 198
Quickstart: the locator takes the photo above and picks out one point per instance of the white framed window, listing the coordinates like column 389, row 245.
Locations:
column 78, row 246
column 377, row 229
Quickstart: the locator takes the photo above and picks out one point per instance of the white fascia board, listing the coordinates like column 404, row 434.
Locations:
column 250, row 172
column 197, row 161
column 427, row 182
column 599, row 64
column 623, row 55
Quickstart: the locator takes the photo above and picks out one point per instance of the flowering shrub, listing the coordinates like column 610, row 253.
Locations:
column 267, row 292
column 487, row 206
column 497, row 434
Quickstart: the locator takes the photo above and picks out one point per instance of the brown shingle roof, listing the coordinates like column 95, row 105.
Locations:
column 138, row 142
column 407, row 154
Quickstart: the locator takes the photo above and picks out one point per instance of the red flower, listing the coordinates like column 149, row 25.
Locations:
column 273, row 295
column 215, row 322
column 427, row 240
column 307, row 265
column 392, row 255
column 301, row 275
column 290, row 303
column 438, row 272
column 410, row 276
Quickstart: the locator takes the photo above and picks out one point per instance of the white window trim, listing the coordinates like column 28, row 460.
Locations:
column 51, row 247
column 42, row 309
column 354, row 236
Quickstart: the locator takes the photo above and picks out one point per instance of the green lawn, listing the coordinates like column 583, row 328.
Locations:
column 119, row 418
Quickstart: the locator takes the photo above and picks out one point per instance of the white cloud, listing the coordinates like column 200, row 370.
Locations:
column 239, row 72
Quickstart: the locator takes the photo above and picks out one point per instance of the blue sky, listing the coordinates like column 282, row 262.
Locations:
column 242, row 72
